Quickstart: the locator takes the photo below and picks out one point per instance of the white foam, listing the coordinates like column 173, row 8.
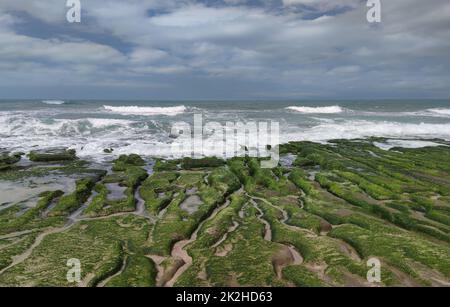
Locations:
column 25, row 125
column 53, row 102
column 437, row 112
column 317, row 110
column 406, row 144
column 440, row 111
column 135, row 110
column 352, row 129
column 25, row 131
column 100, row 122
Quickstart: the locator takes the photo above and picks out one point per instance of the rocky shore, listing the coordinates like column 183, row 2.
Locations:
column 315, row 220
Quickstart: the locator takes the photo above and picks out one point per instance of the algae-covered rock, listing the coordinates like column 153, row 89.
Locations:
column 10, row 158
column 132, row 159
column 69, row 203
column 126, row 161
column 313, row 222
column 164, row 166
column 53, row 155
column 7, row 160
column 189, row 163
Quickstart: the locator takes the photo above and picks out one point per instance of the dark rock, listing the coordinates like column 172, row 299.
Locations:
column 53, row 155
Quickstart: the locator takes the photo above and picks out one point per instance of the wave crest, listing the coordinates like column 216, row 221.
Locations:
column 53, row 102
column 363, row 129
column 440, row 111
column 135, row 110
column 317, row 110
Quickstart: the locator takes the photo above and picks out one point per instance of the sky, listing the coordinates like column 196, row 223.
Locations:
column 224, row 49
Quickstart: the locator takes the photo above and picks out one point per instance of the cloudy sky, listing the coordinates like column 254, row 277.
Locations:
column 224, row 49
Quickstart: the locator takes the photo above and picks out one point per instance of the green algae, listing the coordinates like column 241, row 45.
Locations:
column 56, row 155
column 128, row 174
column 338, row 205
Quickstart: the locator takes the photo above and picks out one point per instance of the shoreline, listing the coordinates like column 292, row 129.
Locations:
column 107, row 155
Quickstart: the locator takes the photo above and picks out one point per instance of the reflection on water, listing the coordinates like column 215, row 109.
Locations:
column 26, row 191
column 191, row 204
column 116, row 192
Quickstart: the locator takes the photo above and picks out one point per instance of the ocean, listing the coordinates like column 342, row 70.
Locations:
column 144, row 127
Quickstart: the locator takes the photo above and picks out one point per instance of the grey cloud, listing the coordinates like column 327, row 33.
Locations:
column 331, row 55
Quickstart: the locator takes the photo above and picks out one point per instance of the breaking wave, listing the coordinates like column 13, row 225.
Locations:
column 317, row 110
column 389, row 144
column 135, row 110
column 439, row 111
column 361, row 129
column 19, row 125
column 53, row 102
column 94, row 131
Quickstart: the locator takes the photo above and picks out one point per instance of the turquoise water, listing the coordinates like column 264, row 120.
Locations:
column 144, row 127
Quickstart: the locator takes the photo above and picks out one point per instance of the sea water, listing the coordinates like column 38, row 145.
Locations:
column 144, row 127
